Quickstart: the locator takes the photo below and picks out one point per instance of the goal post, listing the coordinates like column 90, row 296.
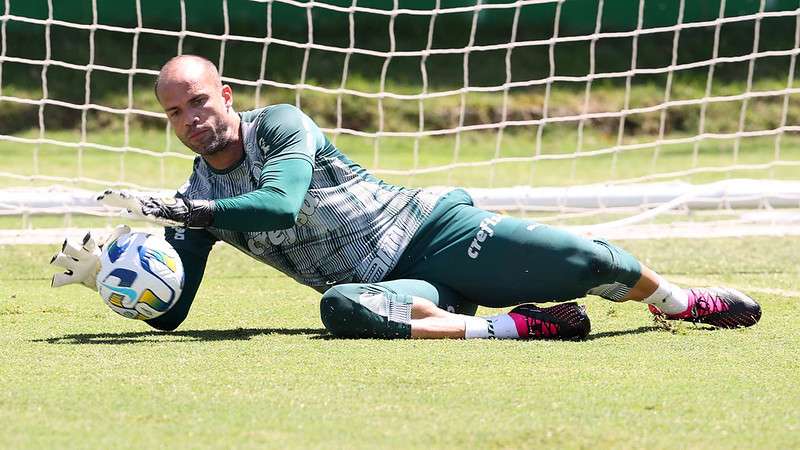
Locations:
column 594, row 113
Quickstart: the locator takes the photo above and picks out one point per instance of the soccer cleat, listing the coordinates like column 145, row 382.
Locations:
column 563, row 321
column 721, row 307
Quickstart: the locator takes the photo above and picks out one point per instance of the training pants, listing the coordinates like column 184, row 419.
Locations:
column 464, row 256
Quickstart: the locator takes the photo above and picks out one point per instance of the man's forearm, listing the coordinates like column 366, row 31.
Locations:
column 274, row 206
column 261, row 210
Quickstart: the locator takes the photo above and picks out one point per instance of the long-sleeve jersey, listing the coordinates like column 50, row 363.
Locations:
column 297, row 203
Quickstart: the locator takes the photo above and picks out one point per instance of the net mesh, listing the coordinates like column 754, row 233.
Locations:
column 549, row 94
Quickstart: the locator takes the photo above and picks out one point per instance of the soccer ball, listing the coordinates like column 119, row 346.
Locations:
column 141, row 276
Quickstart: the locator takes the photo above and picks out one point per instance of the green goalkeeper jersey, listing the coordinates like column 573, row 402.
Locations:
column 351, row 227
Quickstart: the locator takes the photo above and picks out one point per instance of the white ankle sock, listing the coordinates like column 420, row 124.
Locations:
column 500, row 327
column 670, row 299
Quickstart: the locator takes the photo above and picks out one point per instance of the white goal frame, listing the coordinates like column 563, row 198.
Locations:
column 654, row 194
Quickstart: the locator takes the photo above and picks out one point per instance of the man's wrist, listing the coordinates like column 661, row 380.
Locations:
column 201, row 213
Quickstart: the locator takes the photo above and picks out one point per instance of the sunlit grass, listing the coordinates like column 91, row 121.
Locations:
column 251, row 367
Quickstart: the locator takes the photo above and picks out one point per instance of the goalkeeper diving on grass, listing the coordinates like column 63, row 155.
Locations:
column 390, row 262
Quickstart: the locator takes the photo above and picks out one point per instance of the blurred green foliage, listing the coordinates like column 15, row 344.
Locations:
column 403, row 74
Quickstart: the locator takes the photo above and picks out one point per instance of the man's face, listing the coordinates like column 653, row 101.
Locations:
column 197, row 108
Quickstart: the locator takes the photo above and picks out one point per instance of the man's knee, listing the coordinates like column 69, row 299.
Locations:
column 365, row 311
column 337, row 312
column 592, row 266
column 613, row 271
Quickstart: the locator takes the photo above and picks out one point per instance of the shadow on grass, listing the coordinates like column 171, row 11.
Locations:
column 136, row 337
column 640, row 330
column 674, row 328
column 591, row 337
column 244, row 334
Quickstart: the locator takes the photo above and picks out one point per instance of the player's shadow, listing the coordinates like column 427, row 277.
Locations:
column 639, row 330
column 591, row 337
column 244, row 334
column 138, row 337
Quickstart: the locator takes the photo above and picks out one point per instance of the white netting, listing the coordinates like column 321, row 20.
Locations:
column 565, row 95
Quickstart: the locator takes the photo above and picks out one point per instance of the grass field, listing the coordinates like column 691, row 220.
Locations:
column 253, row 368
column 397, row 154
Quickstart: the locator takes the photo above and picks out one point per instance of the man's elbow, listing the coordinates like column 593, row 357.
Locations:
column 166, row 322
column 284, row 216
column 164, row 326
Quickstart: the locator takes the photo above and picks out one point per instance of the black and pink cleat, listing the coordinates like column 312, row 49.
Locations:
column 565, row 321
column 720, row 307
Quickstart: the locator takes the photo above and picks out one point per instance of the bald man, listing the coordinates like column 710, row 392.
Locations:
column 390, row 262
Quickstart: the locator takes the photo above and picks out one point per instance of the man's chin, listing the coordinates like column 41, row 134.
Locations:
column 207, row 150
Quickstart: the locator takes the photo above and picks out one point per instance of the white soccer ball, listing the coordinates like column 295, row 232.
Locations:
column 141, row 276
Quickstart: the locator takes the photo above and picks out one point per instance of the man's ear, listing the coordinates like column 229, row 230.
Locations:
column 227, row 95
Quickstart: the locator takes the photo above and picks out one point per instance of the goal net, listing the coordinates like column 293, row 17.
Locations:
column 673, row 117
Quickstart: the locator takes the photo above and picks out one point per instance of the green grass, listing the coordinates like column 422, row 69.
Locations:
column 398, row 154
column 252, row 368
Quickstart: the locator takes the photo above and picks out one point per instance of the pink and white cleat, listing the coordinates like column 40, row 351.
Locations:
column 565, row 321
column 720, row 307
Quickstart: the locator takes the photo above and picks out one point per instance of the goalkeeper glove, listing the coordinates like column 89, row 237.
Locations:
column 177, row 212
column 82, row 261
